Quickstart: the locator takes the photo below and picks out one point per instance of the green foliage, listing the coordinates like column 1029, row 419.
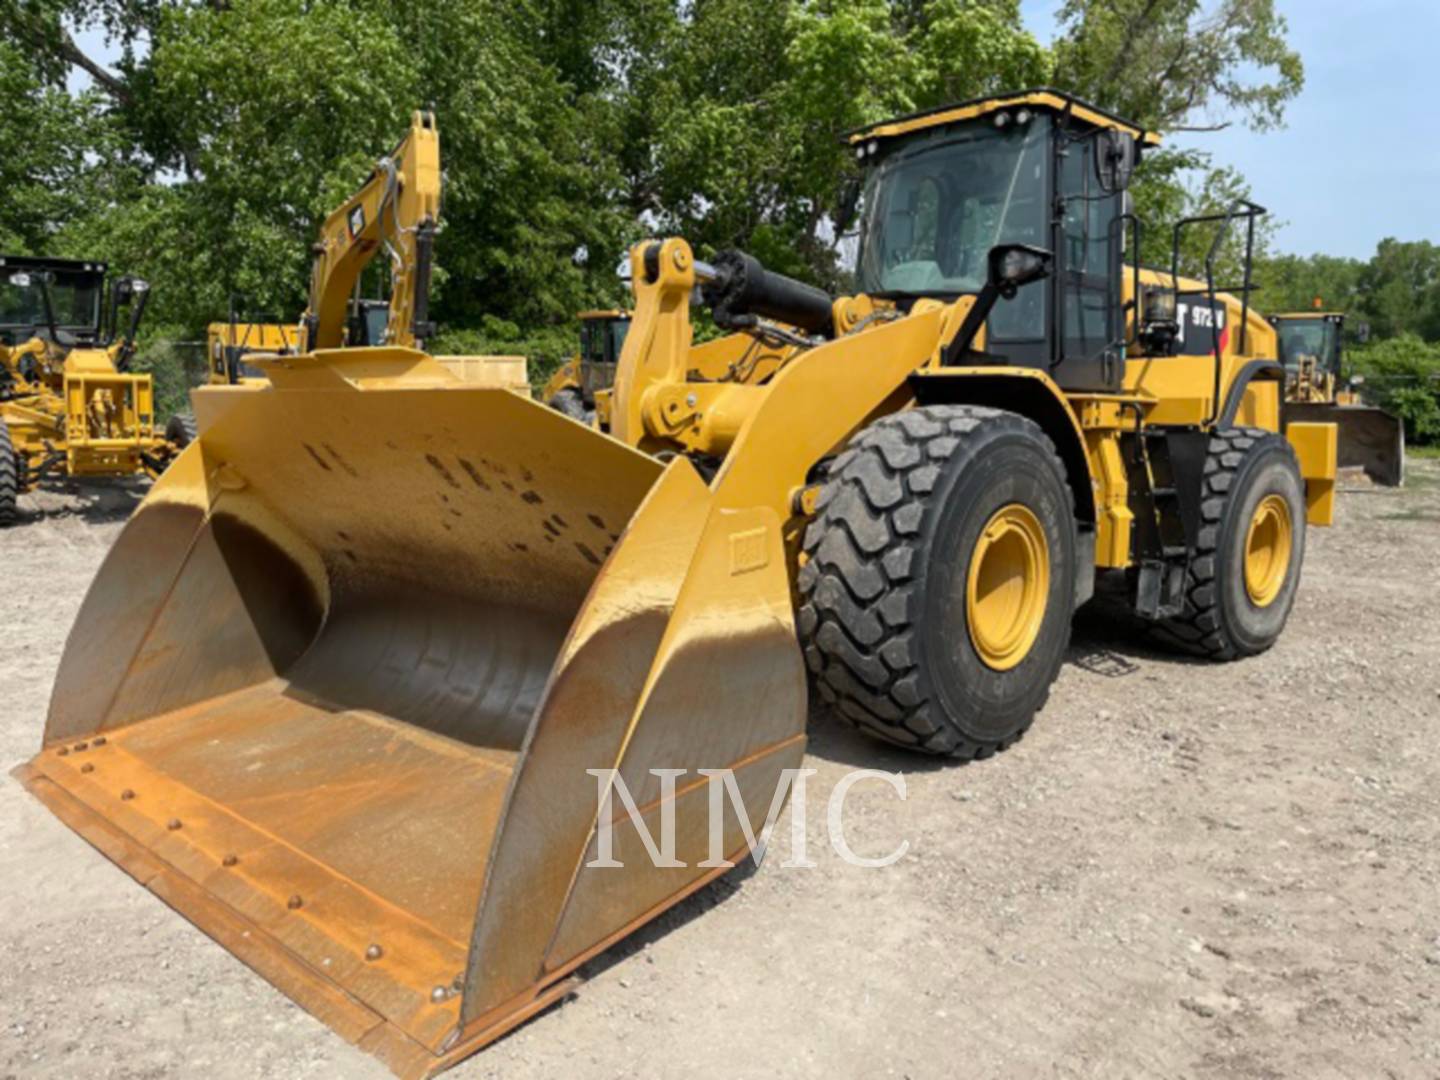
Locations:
column 1401, row 289
column 48, row 143
column 1402, row 376
column 174, row 365
column 1177, row 65
column 1293, row 283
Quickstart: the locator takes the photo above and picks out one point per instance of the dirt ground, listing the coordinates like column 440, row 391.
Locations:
column 1184, row 870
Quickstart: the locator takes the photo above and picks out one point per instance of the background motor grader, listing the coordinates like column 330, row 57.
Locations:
column 394, row 625
column 1311, row 350
column 70, row 404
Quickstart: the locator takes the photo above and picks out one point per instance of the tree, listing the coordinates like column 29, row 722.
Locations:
column 1400, row 290
column 1174, row 65
column 51, row 148
column 1296, row 283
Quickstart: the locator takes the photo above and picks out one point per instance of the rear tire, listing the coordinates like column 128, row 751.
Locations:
column 9, row 478
column 906, row 526
column 181, row 430
column 1243, row 577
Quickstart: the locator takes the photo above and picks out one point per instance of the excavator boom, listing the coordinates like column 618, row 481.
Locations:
column 397, row 211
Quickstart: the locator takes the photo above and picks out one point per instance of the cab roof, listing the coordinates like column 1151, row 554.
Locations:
column 44, row 262
column 1043, row 98
column 1293, row 316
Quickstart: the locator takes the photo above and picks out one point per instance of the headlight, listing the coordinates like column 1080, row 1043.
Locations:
column 1159, row 305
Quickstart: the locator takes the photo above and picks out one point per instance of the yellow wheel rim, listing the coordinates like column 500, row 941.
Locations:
column 1267, row 550
column 1007, row 588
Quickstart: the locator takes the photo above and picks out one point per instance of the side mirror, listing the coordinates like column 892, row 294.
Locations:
column 1362, row 333
column 21, row 280
column 1116, row 156
column 1357, row 380
column 1013, row 266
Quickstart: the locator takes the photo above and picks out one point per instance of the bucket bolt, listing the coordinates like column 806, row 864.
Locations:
column 295, row 902
column 438, row 995
column 87, row 767
column 173, row 824
column 63, row 751
column 99, row 740
column 374, row 952
column 229, row 860
column 126, row 795
column 79, row 746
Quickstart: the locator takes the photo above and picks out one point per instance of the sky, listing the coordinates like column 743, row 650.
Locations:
column 1354, row 163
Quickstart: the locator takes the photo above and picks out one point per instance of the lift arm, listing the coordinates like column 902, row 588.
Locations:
column 398, row 209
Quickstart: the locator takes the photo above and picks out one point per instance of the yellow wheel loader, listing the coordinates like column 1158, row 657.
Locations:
column 573, row 387
column 398, row 633
column 70, row 404
column 1370, row 439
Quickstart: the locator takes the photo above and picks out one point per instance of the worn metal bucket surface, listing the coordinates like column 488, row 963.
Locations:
column 336, row 689
column 1369, row 439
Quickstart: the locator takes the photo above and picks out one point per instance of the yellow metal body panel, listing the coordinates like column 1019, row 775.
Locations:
column 225, row 341
column 1315, row 447
column 505, row 372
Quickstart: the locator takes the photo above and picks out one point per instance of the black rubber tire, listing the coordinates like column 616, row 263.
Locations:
column 181, row 430
column 569, row 402
column 1220, row 622
column 9, row 478
column 882, row 618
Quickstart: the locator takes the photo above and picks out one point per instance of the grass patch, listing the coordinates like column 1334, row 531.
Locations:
column 1414, row 514
column 1425, row 453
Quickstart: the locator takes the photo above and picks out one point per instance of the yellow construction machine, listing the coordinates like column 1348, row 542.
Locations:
column 1311, row 350
column 573, row 387
column 398, row 632
column 70, row 404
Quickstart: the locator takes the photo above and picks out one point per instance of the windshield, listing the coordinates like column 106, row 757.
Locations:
column 601, row 339
column 1316, row 338
column 618, row 329
column 935, row 209
column 75, row 296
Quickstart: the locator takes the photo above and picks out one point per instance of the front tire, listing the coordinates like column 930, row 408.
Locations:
column 570, row 402
column 939, row 578
column 181, row 430
column 1243, row 577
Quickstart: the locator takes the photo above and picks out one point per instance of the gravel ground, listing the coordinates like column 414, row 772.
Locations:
column 1184, row 870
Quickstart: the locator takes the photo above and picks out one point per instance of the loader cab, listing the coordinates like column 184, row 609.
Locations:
column 602, row 336
column 33, row 290
column 1314, row 335
column 1040, row 169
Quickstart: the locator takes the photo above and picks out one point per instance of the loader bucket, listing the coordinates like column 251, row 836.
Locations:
column 335, row 691
column 1369, row 439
